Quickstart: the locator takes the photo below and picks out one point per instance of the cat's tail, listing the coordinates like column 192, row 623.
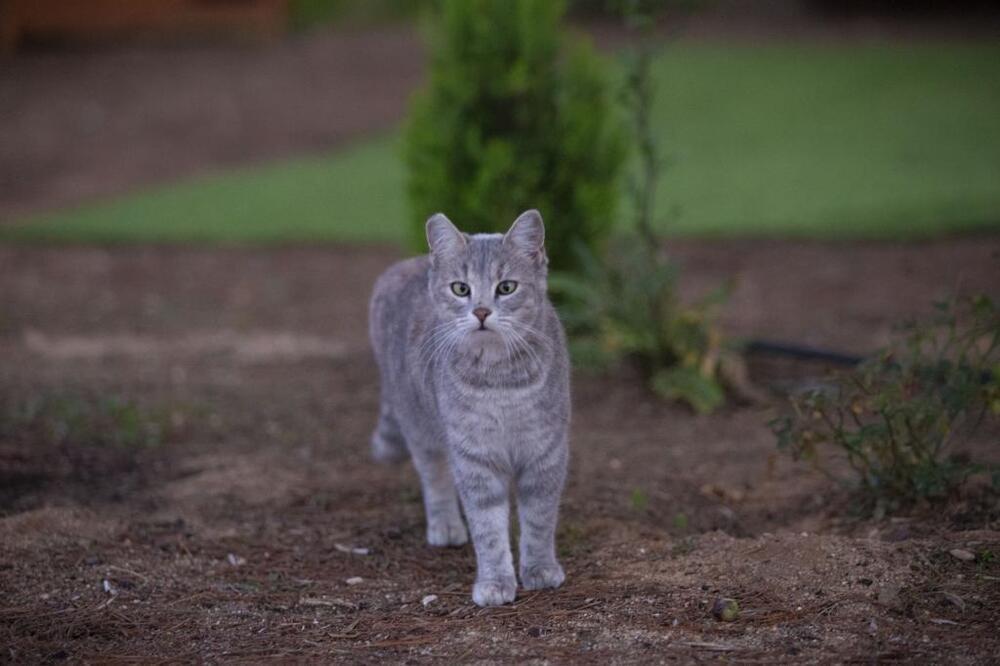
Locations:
column 388, row 445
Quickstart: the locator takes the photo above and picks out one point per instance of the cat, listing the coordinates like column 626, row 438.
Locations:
column 475, row 388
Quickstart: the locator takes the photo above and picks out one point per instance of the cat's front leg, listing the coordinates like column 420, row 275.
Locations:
column 485, row 493
column 539, row 488
column 444, row 520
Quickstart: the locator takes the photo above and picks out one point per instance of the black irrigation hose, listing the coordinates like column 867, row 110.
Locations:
column 801, row 353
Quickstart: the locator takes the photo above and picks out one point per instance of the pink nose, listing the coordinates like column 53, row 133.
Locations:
column 482, row 314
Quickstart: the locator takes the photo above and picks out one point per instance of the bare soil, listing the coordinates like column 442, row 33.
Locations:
column 233, row 534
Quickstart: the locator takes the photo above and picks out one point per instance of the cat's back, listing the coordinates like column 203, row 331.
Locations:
column 400, row 292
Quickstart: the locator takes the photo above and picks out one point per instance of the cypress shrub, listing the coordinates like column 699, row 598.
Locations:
column 516, row 115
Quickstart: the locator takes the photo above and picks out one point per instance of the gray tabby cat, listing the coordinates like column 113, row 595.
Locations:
column 475, row 386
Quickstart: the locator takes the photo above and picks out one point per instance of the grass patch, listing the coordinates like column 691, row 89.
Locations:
column 830, row 141
column 82, row 421
column 354, row 195
column 818, row 141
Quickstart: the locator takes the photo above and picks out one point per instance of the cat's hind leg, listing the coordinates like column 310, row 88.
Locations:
column 388, row 444
column 444, row 518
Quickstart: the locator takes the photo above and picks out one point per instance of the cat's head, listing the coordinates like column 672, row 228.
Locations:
column 488, row 289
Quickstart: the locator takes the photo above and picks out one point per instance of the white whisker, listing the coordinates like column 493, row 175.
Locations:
column 540, row 335
column 523, row 344
column 438, row 344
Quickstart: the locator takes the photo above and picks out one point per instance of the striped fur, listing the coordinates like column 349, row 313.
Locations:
column 483, row 414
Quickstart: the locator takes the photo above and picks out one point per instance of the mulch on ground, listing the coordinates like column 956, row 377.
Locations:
column 234, row 531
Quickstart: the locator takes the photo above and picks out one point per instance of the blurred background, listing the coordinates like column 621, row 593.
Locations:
column 271, row 120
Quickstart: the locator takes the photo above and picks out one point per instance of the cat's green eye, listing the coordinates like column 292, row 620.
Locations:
column 460, row 289
column 506, row 287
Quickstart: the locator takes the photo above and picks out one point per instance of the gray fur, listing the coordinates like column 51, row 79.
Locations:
column 481, row 413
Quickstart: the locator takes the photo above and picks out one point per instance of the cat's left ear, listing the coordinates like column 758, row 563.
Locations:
column 527, row 236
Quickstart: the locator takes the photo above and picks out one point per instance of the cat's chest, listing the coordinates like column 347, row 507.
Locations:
column 505, row 417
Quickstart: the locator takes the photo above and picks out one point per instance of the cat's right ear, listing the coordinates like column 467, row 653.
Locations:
column 443, row 237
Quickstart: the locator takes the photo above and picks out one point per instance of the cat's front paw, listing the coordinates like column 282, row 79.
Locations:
column 542, row 576
column 450, row 532
column 494, row 592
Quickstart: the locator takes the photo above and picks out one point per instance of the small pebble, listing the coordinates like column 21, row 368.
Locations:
column 725, row 610
column 962, row 554
column 354, row 580
column 429, row 599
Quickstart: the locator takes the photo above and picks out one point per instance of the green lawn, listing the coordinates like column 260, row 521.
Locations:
column 822, row 141
column 353, row 195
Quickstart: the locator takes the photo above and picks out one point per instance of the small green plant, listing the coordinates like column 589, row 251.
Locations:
column 78, row 421
column 639, row 499
column 624, row 303
column 515, row 116
column 896, row 418
column 626, row 307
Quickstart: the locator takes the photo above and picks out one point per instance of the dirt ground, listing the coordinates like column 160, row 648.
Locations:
column 232, row 533
column 221, row 497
